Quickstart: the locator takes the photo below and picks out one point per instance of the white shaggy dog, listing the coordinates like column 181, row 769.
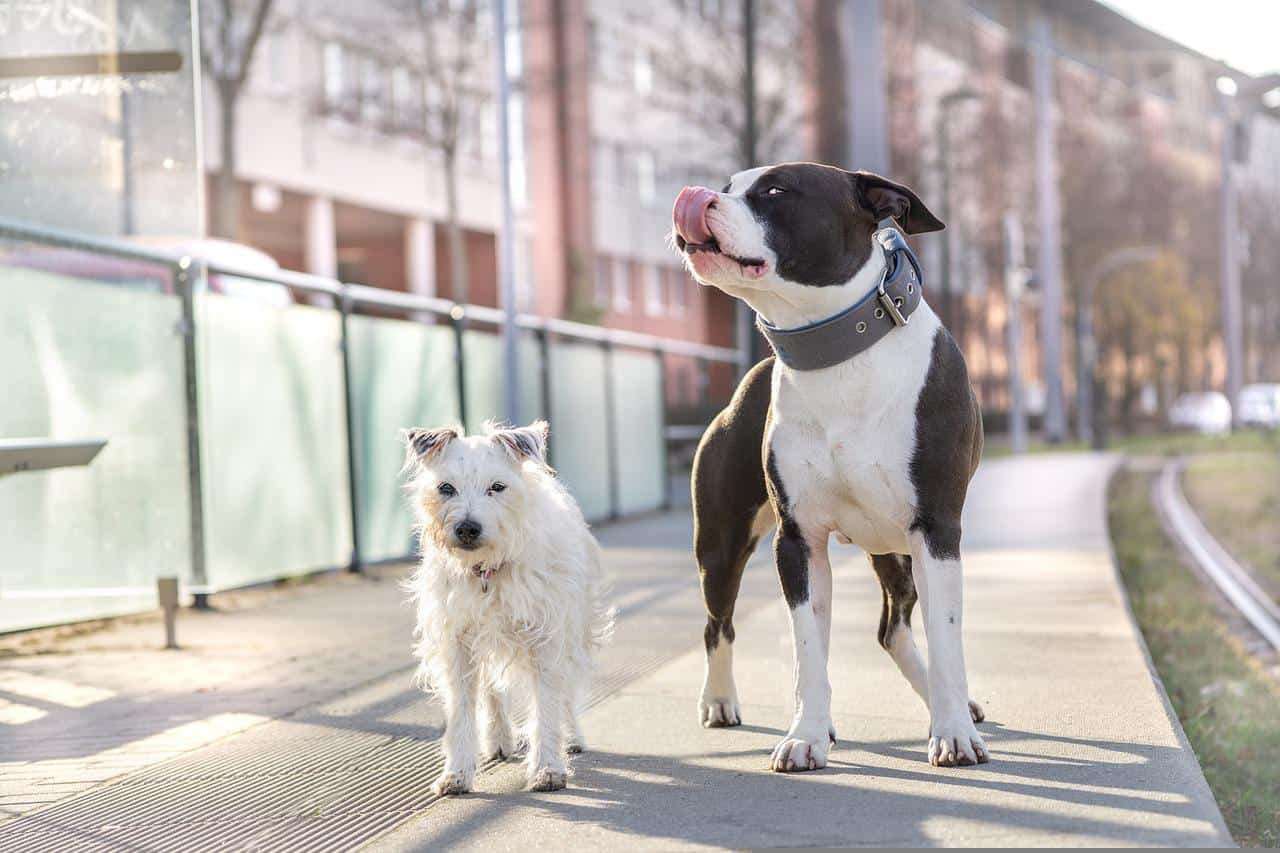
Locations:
column 509, row 596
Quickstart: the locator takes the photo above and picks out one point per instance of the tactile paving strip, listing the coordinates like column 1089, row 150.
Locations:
column 328, row 778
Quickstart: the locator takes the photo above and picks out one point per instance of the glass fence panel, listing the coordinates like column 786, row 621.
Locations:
column 640, row 449
column 403, row 374
column 90, row 349
column 485, row 378
column 579, row 429
column 274, row 447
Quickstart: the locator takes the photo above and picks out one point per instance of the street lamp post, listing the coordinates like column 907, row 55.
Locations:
column 507, row 237
column 942, row 133
column 1238, row 103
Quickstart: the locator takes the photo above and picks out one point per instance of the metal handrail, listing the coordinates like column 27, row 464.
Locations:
column 359, row 294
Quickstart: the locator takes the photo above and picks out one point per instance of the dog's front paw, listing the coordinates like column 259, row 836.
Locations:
column 802, row 750
column 956, row 743
column 452, row 782
column 976, row 712
column 719, row 712
column 575, row 745
column 548, row 779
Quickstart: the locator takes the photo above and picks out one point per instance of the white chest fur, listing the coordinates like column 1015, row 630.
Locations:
column 842, row 438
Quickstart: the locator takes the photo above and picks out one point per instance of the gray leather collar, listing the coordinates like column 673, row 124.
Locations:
column 889, row 305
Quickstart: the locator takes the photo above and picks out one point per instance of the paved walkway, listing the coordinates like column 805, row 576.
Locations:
column 292, row 724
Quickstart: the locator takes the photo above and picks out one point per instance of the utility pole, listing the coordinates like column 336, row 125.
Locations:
column 867, row 113
column 1229, row 247
column 747, row 340
column 1238, row 104
column 1048, row 209
column 506, row 238
column 942, row 133
column 1016, row 276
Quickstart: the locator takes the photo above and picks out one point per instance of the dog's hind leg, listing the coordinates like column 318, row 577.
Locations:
column 499, row 742
column 898, row 599
column 731, row 512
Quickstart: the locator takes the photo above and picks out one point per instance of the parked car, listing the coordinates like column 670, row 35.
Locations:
column 1205, row 412
column 1260, row 405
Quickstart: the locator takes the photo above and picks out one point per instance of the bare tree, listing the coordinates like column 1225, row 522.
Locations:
column 226, row 52
column 445, row 45
column 709, row 59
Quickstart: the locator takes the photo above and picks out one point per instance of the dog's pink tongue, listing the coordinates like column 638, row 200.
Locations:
column 690, row 214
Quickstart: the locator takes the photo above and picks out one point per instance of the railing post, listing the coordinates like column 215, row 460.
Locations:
column 611, row 433
column 457, row 318
column 185, row 279
column 665, row 447
column 544, row 369
column 353, row 433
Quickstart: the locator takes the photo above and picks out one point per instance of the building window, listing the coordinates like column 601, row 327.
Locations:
column 646, row 177
column 678, row 298
column 405, row 107
column 643, row 71
column 604, row 282
column 652, row 290
column 373, row 90
column 334, row 74
column 621, row 286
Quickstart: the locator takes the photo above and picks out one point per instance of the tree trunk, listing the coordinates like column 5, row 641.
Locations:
column 1130, row 391
column 226, row 218
column 458, row 269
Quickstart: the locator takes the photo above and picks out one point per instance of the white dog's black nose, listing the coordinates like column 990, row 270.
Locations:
column 467, row 532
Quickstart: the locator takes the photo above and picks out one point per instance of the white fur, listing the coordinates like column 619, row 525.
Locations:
column 530, row 627
column 842, row 439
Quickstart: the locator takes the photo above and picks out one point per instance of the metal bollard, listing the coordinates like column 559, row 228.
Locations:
column 167, row 593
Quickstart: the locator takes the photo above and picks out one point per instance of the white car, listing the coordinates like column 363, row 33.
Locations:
column 1205, row 412
column 1260, row 405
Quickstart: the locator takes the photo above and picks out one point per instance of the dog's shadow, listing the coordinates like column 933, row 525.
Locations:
column 870, row 793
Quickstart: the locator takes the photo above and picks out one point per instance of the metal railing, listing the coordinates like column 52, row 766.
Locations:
column 191, row 275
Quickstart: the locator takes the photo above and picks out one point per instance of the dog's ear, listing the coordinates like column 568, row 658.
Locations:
column 422, row 445
column 526, row 442
column 882, row 197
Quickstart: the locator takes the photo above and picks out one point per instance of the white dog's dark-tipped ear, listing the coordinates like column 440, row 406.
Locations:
column 526, row 442
column 423, row 444
column 882, row 197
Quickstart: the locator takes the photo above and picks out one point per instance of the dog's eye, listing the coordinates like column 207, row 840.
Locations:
column 446, row 489
column 774, row 191
column 497, row 487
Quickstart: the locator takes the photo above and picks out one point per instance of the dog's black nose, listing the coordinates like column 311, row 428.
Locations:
column 467, row 531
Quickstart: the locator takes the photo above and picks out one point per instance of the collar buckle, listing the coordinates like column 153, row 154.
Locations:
column 890, row 306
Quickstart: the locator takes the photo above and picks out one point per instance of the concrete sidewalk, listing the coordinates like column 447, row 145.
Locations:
column 1086, row 750
column 292, row 723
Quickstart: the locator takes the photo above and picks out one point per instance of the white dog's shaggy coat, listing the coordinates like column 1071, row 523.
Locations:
column 510, row 597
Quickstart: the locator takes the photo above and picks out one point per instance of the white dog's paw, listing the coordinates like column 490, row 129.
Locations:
column 575, row 745
column 719, row 713
column 799, row 752
column 956, row 743
column 452, row 782
column 548, row 779
column 976, row 712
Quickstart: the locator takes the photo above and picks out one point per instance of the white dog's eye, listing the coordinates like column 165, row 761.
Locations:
column 446, row 489
column 497, row 487
column 774, row 191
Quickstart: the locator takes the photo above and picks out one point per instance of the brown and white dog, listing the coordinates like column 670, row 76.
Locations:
column 876, row 446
